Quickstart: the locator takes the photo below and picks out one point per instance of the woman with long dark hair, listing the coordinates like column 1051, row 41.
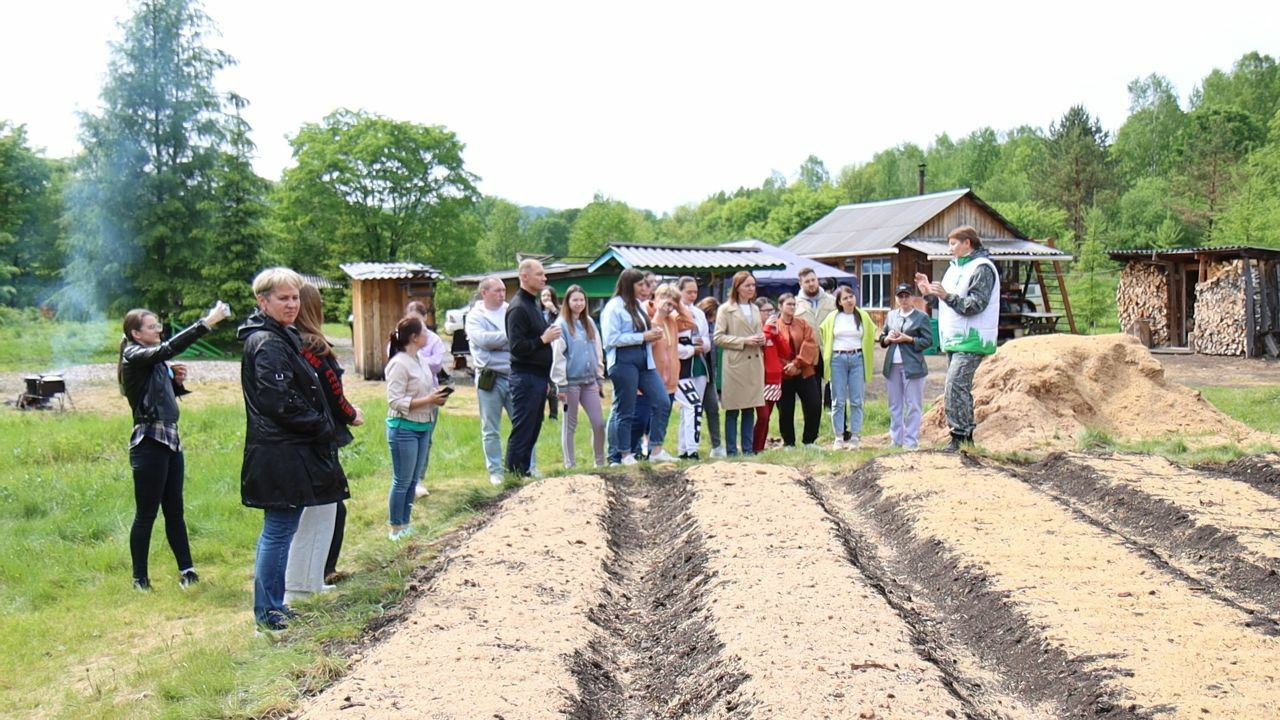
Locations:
column 848, row 338
column 577, row 369
column 313, row 553
column 740, row 332
column 412, row 401
column 152, row 385
column 628, row 342
column 550, row 312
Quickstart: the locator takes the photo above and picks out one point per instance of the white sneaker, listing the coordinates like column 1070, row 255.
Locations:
column 661, row 456
column 718, row 452
column 837, row 444
column 853, row 443
column 495, row 479
column 811, row 446
column 629, row 460
column 420, row 491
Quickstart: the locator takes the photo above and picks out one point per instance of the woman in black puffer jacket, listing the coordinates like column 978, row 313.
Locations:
column 153, row 385
column 290, row 453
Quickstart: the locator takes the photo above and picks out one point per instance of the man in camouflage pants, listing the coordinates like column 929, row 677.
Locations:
column 968, row 319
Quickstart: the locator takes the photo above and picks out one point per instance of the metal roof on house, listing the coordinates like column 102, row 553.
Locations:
column 1153, row 253
column 552, row 269
column 794, row 262
column 874, row 228
column 390, row 271
column 1000, row 249
column 320, row 282
column 665, row 258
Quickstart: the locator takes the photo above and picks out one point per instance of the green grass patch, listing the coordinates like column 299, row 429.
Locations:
column 1257, row 407
column 42, row 345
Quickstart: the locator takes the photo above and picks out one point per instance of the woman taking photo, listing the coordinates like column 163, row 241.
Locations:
column 412, row 401
column 313, row 554
column 577, row 369
column 152, row 386
column 740, row 333
column 628, row 347
column 798, row 352
column 848, row 338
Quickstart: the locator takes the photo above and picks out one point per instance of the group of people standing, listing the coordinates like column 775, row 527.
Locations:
column 659, row 345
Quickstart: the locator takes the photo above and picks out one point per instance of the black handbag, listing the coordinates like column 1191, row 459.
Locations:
column 487, row 379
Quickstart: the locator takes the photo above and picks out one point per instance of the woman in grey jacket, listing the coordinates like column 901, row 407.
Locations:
column 906, row 334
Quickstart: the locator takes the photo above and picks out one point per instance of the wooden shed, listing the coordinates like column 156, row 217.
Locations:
column 887, row 242
column 1213, row 301
column 379, row 293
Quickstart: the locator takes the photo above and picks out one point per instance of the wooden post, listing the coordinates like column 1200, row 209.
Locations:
column 1250, row 326
column 1204, row 268
column 1044, row 289
column 1066, row 304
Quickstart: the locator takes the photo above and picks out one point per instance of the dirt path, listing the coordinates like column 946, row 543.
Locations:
column 492, row 635
column 1152, row 639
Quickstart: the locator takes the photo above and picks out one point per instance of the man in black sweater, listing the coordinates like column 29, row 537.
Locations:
column 530, row 340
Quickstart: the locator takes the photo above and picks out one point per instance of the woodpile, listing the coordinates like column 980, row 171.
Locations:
column 1220, row 311
column 1142, row 298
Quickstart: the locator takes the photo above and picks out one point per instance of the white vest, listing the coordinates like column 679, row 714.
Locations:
column 969, row 333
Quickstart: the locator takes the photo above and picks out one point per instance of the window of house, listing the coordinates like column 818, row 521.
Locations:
column 877, row 290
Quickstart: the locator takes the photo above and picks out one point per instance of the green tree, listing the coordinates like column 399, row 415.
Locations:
column 1217, row 138
column 1075, row 168
column 1252, row 215
column 551, row 232
column 1037, row 220
column 605, row 221
column 1011, row 178
column 1147, row 144
column 30, row 188
column 813, row 173
column 1252, row 86
column 1141, row 212
column 368, row 188
column 503, row 234
column 148, row 161
column 1094, row 273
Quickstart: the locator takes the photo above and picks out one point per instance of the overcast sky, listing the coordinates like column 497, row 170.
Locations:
column 657, row 104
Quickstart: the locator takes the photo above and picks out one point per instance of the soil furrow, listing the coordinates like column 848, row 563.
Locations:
column 1260, row 471
column 991, row 653
column 816, row 638
column 492, row 633
column 1152, row 642
column 1206, row 528
column 655, row 653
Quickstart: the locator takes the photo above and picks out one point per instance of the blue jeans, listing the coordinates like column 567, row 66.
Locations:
column 630, row 375
column 528, row 394
column 492, row 403
column 410, row 450
column 748, row 430
column 848, row 384
column 278, row 527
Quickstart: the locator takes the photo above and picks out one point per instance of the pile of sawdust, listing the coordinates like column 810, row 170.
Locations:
column 1042, row 393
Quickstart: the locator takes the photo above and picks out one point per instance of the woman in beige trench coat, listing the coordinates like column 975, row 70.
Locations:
column 741, row 335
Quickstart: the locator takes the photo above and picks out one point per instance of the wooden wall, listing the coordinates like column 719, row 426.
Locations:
column 376, row 306
column 963, row 212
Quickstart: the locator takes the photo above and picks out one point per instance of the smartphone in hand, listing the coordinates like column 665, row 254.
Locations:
column 447, row 389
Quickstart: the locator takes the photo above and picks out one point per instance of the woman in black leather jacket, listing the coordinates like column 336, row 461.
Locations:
column 290, row 448
column 152, row 385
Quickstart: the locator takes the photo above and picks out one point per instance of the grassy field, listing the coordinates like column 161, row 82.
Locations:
column 46, row 345
column 77, row 641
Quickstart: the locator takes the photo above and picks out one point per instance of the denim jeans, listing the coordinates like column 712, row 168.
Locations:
column 848, row 384
column 629, row 374
column 747, row 433
column 278, row 527
column 492, row 403
column 528, row 394
column 409, row 452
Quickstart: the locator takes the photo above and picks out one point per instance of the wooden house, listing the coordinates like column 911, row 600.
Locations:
column 379, row 293
column 1214, row 301
column 887, row 242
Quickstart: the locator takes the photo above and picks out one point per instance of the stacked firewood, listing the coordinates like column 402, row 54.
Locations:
column 1220, row 307
column 1143, row 297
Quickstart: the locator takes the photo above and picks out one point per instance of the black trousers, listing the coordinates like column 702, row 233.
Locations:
column 157, row 487
column 528, row 392
column 809, row 390
column 335, row 545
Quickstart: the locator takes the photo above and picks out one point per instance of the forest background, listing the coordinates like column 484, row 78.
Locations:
column 163, row 209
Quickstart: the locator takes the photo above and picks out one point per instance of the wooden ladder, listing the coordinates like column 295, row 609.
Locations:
column 1061, row 286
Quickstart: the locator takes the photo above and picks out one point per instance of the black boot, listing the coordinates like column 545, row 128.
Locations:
column 957, row 439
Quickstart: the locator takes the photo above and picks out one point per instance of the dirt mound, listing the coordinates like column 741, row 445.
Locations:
column 1041, row 393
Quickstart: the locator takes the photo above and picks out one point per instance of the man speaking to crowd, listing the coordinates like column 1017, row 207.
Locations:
column 530, row 338
column 968, row 319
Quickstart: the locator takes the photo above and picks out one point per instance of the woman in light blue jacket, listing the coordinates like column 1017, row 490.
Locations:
column 627, row 345
column 577, row 369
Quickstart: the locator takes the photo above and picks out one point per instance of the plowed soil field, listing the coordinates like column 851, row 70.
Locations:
column 923, row 585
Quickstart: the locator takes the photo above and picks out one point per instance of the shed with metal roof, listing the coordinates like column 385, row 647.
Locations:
column 885, row 243
column 379, row 293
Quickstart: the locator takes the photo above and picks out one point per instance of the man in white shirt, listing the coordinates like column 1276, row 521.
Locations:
column 491, row 354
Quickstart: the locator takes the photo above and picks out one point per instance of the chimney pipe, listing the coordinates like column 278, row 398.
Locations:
column 920, row 176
